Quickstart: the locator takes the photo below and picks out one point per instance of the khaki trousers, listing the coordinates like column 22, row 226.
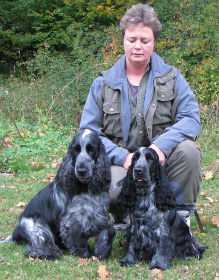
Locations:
column 183, row 168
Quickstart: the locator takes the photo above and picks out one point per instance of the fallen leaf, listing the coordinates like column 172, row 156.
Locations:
column 211, row 199
column 55, row 163
column 34, row 178
column 138, row 264
column 82, row 260
column 215, row 220
column 102, row 271
column 200, row 211
column 6, row 174
column 8, row 141
column 10, row 187
column 205, row 204
column 209, row 175
column 203, row 219
column 36, row 165
column 202, row 233
column 21, row 204
column 203, row 193
column 157, row 274
column 49, row 178
column 94, row 259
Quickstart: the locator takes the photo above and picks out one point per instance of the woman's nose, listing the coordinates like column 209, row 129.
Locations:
column 137, row 44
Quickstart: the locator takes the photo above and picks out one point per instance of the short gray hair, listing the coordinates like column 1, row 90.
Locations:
column 141, row 13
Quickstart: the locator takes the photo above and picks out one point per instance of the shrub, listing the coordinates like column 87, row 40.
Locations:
column 55, row 79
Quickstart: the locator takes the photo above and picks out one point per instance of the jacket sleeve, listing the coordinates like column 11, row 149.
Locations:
column 188, row 124
column 92, row 119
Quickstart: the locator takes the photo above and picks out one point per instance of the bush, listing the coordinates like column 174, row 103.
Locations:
column 53, row 87
column 55, row 79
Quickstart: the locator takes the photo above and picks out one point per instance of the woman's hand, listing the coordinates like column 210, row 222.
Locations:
column 160, row 153
column 128, row 160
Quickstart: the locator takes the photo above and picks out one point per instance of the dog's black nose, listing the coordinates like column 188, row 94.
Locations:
column 81, row 171
column 138, row 171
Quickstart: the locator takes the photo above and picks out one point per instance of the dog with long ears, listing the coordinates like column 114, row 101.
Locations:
column 156, row 233
column 72, row 208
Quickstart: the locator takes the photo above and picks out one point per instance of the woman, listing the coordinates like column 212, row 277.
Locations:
column 142, row 101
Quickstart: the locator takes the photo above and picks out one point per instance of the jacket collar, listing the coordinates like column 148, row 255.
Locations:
column 116, row 75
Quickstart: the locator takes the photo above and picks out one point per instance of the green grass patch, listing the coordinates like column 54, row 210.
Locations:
column 20, row 181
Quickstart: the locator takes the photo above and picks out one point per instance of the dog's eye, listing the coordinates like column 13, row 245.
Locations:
column 90, row 149
column 148, row 157
column 136, row 156
column 77, row 148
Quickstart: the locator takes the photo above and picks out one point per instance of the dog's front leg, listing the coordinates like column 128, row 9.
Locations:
column 78, row 247
column 74, row 241
column 130, row 255
column 163, row 257
column 103, row 243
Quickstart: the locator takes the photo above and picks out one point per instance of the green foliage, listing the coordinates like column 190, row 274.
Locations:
column 34, row 143
column 104, row 12
column 53, row 87
column 189, row 41
column 27, row 26
column 58, row 47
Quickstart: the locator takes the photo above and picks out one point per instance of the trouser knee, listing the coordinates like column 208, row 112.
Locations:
column 183, row 167
column 117, row 173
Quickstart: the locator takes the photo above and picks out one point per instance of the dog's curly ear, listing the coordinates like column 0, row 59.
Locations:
column 65, row 176
column 164, row 197
column 102, row 172
column 127, row 196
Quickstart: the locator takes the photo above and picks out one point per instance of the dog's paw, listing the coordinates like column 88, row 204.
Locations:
column 161, row 266
column 48, row 254
column 128, row 260
column 160, row 262
column 84, row 254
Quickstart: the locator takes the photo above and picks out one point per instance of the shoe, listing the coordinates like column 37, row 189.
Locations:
column 185, row 214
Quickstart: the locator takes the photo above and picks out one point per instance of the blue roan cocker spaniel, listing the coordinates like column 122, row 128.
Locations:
column 156, row 232
column 72, row 208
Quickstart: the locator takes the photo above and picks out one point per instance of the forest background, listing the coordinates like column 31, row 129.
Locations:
column 50, row 52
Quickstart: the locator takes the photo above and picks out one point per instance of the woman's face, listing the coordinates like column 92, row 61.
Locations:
column 138, row 44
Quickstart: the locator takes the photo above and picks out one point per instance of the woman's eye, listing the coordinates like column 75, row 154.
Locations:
column 131, row 40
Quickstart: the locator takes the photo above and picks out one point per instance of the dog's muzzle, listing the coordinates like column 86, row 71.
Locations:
column 141, row 177
column 84, row 168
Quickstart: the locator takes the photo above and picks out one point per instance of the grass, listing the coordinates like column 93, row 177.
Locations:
column 25, row 168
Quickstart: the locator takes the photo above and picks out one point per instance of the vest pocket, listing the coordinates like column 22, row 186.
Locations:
column 112, row 125
column 163, row 113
